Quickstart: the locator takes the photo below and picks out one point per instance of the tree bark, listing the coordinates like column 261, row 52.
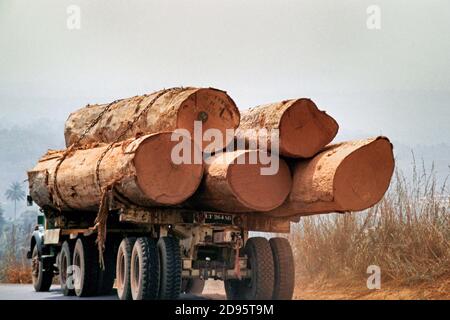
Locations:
column 176, row 108
column 141, row 171
column 233, row 184
column 348, row 176
column 303, row 129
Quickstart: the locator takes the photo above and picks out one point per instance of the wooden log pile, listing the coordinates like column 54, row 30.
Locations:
column 164, row 110
column 347, row 176
column 128, row 145
column 140, row 170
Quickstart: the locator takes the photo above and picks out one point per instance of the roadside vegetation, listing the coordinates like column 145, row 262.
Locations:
column 14, row 240
column 407, row 235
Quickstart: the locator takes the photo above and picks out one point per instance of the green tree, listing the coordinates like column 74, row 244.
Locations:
column 15, row 193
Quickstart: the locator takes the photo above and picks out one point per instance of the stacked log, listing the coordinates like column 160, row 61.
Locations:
column 234, row 182
column 303, row 129
column 168, row 110
column 348, row 176
column 127, row 145
column 141, row 171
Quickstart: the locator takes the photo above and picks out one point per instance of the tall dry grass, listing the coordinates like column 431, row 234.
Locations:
column 407, row 235
column 17, row 273
column 14, row 266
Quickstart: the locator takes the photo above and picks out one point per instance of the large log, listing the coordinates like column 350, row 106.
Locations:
column 141, row 171
column 175, row 108
column 348, row 176
column 303, row 129
column 233, row 183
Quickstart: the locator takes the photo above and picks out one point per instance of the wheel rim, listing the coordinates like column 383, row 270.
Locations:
column 35, row 266
column 63, row 270
column 135, row 273
column 120, row 272
column 78, row 275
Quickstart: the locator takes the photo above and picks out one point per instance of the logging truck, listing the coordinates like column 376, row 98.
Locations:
column 161, row 253
column 119, row 211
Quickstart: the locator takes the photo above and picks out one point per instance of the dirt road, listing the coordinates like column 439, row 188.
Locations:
column 345, row 289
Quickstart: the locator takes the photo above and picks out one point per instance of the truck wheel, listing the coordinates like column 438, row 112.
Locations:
column 144, row 272
column 284, row 269
column 85, row 260
column 260, row 262
column 65, row 261
column 42, row 275
column 170, row 262
column 107, row 276
column 193, row 286
column 123, row 262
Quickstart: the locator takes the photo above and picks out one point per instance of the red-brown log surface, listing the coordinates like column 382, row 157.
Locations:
column 233, row 184
column 348, row 176
column 303, row 129
column 141, row 170
column 176, row 108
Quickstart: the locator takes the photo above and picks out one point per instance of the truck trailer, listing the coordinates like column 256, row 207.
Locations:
column 159, row 253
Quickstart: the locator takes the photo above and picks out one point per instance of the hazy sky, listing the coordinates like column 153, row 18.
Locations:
column 394, row 81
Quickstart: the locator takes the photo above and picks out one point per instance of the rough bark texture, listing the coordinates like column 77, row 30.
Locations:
column 174, row 108
column 303, row 129
column 232, row 184
column 349, row 176
column 141, row 170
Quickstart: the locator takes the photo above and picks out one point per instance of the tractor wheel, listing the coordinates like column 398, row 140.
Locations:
column 260, row 262
column 144, row 273
column 42, row 275
column 123, row 268
column 85, row 262
column 284, row 269
column 65, row 269
column 170, row 262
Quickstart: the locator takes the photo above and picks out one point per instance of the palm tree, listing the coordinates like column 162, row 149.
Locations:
column 15, row 193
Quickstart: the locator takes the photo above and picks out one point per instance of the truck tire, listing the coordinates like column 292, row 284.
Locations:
column 144, row 273
column 170, row 262
column 123, row 262
column 42, row 275
column 260, row 263
column 284, row 269
column 193, row 286
column 107, row 276
column 66, row 273
column 85, row 259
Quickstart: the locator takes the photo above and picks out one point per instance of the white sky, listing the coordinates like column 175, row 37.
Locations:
column 394, row 81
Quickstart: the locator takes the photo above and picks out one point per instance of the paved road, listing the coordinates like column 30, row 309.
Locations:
column 26, row 292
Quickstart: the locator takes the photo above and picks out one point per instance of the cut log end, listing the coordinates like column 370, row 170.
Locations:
column 348, row 176
column 215, row 109
column 363, row 177
column 158, row 177
column 304, row 129
column 257, row 191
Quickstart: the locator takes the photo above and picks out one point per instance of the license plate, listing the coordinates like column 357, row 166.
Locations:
column 218, row 218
